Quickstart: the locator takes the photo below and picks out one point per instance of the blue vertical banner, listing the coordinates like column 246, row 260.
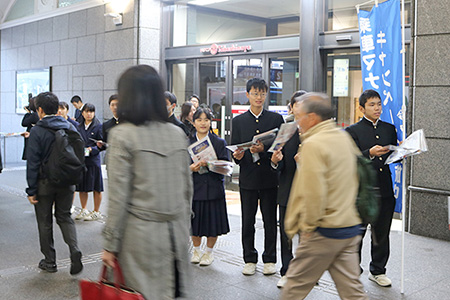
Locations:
column 381, row 68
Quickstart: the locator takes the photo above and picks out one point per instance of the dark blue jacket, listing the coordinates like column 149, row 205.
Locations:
column 74, row 123
column 94, row 131
column 39, row 146
column 210, row 186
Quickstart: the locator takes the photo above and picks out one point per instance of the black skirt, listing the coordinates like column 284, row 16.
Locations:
column 210, row 218
column 92, row 180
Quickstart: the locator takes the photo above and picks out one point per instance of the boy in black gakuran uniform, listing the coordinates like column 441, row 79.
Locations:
column 256, row 179
column 372, row 135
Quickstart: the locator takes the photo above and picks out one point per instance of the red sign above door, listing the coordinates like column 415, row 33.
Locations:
column 214, row 49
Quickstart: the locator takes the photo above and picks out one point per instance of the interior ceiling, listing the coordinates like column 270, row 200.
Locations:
column 4, row 5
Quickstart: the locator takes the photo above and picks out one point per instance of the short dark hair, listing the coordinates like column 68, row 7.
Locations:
column 113, row 97
column 317, row 103
column 32, row 104
column 257, row 84
column 76, row 99
column 48, row 102
column 194, row 96
column 141, row 96
column 171, row 97
column 201, row 111
column 366, row 95
column 296, row 96
column 63, row 104
column 185, row 110
column 88, row 107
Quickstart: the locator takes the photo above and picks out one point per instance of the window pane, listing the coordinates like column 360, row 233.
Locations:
column 343, row 14
column 284, row 74
column 182, row 81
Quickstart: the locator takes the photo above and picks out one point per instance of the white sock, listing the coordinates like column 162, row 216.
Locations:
column 197, row 248
column 209, row 250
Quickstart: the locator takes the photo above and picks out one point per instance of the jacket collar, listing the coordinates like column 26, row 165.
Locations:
column 322, row 126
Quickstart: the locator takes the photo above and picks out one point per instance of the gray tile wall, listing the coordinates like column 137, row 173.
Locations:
column 87, row 53
column 429, row 212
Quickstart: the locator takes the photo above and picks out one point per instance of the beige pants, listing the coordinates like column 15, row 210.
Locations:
column 318, row 254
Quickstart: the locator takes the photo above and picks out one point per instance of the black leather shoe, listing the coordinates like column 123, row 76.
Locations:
column 51, row 268
column 76, row 266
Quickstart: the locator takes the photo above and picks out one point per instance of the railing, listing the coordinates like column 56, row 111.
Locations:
column 427, row 190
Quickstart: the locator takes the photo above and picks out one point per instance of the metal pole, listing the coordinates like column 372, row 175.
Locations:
column 402, row 277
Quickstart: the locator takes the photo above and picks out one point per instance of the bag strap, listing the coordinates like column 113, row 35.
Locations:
column 117, row 274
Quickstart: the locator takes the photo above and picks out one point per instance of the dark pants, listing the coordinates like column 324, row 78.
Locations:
column 62, row 198
column 286, row 243
column 380, row 236
column 268, row 205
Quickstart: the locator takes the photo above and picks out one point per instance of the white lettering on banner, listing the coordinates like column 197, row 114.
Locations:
column 396, row 191
column 367, row 43
column 398, row 173
column 381, row 39
column 364, row 25
column 386, row 83
column 372, row 79
column 388, row 97
column 381, row 57
column 368, row 63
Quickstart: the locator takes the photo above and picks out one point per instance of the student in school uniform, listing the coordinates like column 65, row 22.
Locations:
column 91, row 131
column 209, row 207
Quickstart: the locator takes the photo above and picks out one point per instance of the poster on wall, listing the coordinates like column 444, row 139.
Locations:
column 30, row 82
column 340, row 77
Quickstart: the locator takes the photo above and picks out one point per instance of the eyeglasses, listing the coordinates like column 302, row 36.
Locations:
column 262, row 95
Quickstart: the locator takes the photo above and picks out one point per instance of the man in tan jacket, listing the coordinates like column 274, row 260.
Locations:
column 322, row 206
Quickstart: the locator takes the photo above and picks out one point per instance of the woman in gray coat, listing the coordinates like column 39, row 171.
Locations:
column 150, row 191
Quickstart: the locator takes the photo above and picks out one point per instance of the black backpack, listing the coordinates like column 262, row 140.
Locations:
column 65, row 164
column 367, row 201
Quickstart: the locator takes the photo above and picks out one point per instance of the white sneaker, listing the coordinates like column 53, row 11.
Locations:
column 207, row 259
column 196, row 255
column 249, row 269
column 381, row 280
column 93, row 216
column 282, row 281
column 269, row 269
column 83, row 214
column 72, row 209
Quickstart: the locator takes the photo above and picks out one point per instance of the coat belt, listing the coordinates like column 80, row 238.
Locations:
column 153, row 216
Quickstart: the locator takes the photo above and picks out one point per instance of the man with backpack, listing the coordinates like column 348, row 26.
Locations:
column 44, row 188
column 322, row 206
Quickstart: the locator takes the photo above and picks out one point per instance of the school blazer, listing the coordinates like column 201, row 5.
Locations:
column 210, row 186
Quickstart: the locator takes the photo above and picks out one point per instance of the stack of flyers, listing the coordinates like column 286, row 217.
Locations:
column 223, row 167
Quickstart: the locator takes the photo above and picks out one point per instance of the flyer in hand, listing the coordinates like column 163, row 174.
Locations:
column 287, row 130
column 202, row 150
column 413, row 145
column 265, row 138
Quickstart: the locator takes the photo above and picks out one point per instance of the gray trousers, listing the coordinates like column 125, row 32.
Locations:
column 62, row 198
column 318, row 254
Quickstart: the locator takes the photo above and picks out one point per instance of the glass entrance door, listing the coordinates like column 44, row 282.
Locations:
column 213, row 93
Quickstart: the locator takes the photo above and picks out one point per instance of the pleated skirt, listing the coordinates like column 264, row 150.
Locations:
column 210, row 218
column 92, row 180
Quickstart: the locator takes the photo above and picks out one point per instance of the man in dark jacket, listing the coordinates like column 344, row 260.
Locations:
column 171, row 103
column 372, row 135
column 257, row 182
column 283, row 161
column 78, row 104
column 43, row 194
column 108, row 125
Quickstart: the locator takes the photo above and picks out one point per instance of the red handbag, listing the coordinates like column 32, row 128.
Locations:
column 107, row 290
